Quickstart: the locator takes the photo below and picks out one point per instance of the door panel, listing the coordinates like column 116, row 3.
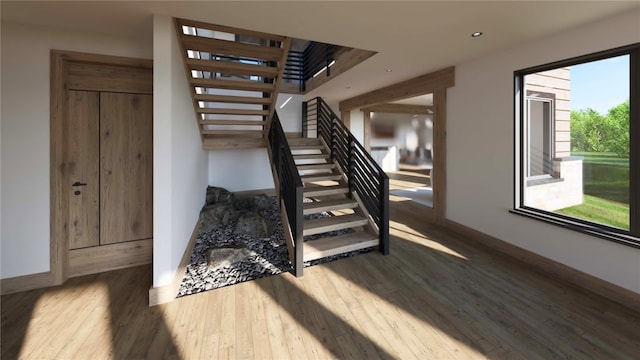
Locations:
column 126, row 161
column 81, row 161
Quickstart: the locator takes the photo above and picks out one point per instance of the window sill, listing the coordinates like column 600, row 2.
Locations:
column 543, row 181
column 604, row 232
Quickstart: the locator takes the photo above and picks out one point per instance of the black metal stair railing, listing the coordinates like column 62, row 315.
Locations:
column 303, row 66
column 366, row 178
column 289, row 188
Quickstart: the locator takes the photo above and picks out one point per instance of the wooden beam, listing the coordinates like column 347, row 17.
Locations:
column 399, row 108
column 345, row 116
column 420, row 85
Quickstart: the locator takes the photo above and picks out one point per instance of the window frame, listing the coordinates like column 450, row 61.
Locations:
column 629, row 237
column 541, row 97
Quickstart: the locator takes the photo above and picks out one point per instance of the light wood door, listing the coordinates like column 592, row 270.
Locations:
column 82, row 167
column 126, row 191
column 104, row 222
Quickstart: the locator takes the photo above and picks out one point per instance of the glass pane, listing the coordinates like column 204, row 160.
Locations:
column 576, row 141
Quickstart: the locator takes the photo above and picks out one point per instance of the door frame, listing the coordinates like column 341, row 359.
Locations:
column 60, row 83
column 435, row 83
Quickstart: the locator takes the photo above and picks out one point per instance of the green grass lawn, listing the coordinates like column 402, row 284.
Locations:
column 602, row 158
column 601, row 211
column 606, row 190
column 606, row 176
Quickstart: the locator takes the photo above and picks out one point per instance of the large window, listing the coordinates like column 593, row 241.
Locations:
column 578, row 143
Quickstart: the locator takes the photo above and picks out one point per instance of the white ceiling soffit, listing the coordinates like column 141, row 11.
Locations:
column 411, row 38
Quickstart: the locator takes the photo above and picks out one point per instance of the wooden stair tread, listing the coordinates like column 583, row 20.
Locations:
column 334, row 245
column 312, row 191
column 320, row 177
column 228, row 29
column 305, row 147
column 227, row 84
column 232, row 122
column 236, row 133
column 229, row 67
column 303, row 141
column 332, row 223
column 310, row 156
column 220, row 111
column 328, row 205
column 230, row 48
column 232, row 99
column 325, row 166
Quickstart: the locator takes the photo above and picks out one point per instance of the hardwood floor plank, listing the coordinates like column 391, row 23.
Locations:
column 227, row 326
column 244, row 326
column 344, row 322
column 212, row 316
column 274, row 324
column 259, row 331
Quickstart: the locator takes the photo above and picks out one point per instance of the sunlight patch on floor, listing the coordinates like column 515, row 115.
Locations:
column 424, row 342
column 96, row 327
column 404, row 232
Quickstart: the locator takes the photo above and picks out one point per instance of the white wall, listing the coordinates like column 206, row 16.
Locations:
column 24, row 240
column 240, row 169
column 179, row 164
column 249, row 169
column 291, row 113
column 356, row 125
column 480, row 152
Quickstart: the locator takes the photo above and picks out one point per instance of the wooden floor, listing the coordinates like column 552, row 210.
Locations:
column 434, row 297
column 409, row 177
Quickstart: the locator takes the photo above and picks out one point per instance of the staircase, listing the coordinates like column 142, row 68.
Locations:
column 234, row 77
column 334, row 223
column 333, row 196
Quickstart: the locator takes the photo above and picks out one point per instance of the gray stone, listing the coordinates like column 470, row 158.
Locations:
column 254, row 225
column 225, row 256
column 216, row 215
column 263, row 202
column 218, row 195
column 255, row 203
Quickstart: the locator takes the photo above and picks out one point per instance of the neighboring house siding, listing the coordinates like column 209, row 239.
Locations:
column 557, row 82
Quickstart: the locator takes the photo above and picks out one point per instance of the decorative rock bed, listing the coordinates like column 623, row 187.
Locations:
column 240, row 239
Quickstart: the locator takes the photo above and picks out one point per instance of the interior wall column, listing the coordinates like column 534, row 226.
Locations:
column 439, row 170
column 366, row 128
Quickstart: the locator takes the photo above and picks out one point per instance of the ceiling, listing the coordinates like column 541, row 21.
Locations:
column 411, row 38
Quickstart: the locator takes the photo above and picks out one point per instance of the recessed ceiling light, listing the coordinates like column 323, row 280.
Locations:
column 476, row 34
column 389, row 70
